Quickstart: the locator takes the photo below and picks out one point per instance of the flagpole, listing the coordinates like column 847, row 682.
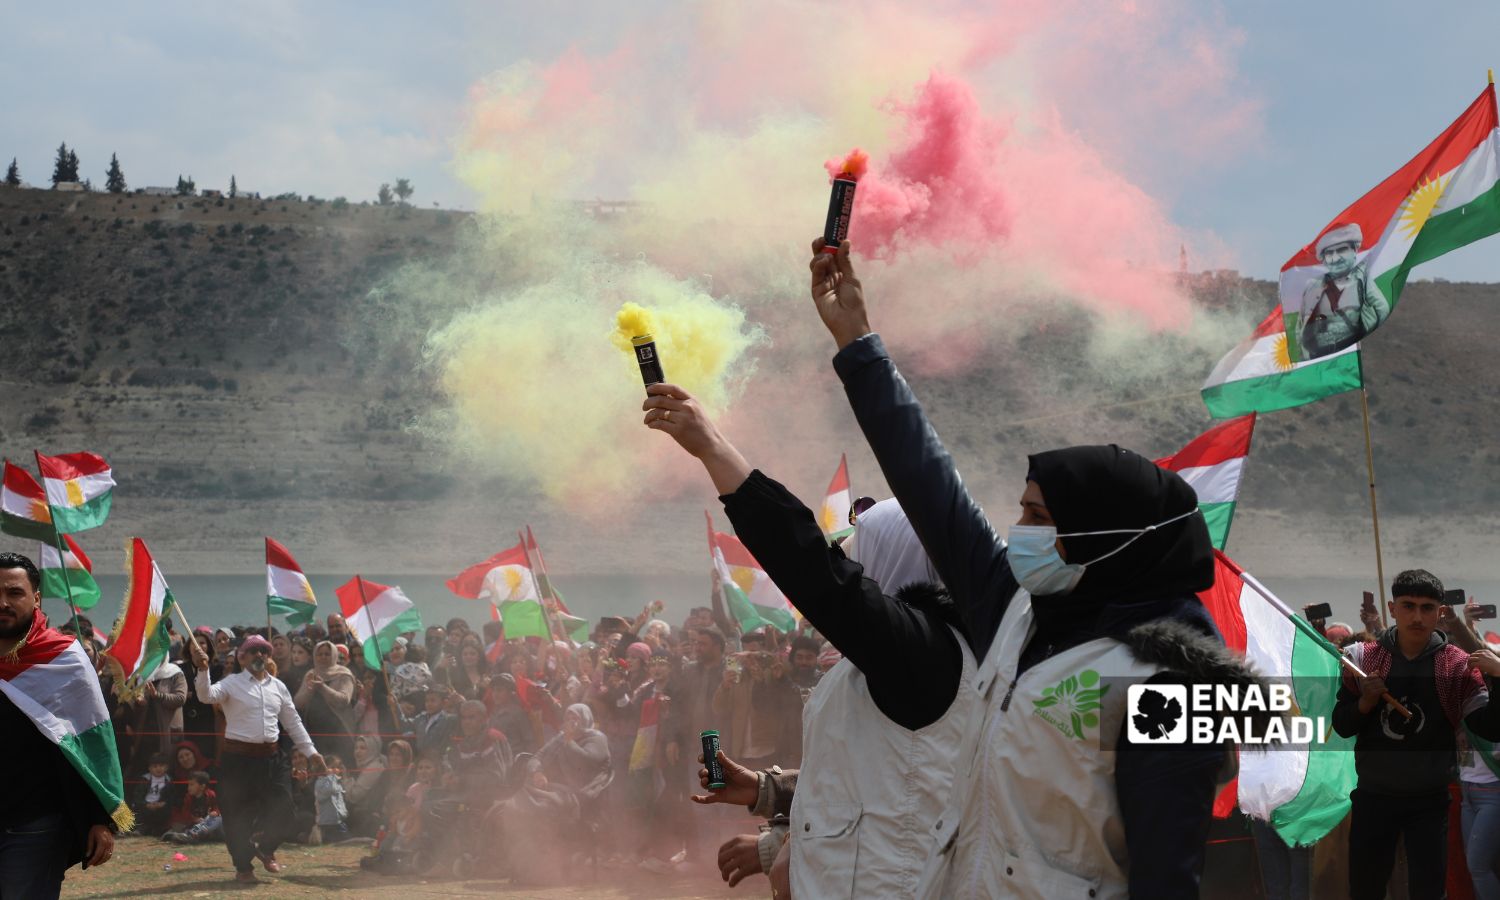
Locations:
column 1282, row 608
column 1364, row 408
column 67, row 582
column 542, row 566
column 364, row 601
column 62, row 554
column 552, row 627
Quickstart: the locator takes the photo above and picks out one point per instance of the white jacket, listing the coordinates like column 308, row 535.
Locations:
column 1037, row 814
column 871, row 795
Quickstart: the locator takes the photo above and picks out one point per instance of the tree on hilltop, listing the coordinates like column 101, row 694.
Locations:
column 384, row 195
column 13, row 174
column 234, row 188
column 404, row 190
column 186, row 186
column 66, row 166
column 114, row 180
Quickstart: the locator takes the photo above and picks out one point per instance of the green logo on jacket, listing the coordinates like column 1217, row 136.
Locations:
column 1073, row 705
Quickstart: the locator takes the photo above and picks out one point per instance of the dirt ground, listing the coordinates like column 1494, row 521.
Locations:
column 138, row 871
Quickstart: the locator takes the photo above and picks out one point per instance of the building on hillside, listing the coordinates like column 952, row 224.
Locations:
column 159, row 191
column 69, row 186
column 212, row 192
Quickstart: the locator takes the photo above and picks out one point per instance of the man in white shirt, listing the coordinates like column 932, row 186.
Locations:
column 255, row 784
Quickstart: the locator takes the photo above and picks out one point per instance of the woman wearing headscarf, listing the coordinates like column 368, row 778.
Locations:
column 326, row 702
column 365, row 786
column 1097, row 588
column 900, row 701
column 578, row 756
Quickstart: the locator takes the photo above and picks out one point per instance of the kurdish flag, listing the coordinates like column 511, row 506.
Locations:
column 140, row 641
column 834, row 517
column 68, row 576
column 748, row 591
column 23, row 506
column 1303, row 791
column 376, row 614
column 1343, row 284
column 1212, row 464
column 1262, row 375
column 287, row 589
column 52, row 681
column 80, row 488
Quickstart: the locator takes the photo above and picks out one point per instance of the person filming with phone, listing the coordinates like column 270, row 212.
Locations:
column 1404, row 764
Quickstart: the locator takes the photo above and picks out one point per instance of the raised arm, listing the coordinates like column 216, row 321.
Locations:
column 203, row 686
column 958, row 538
column 876, row 632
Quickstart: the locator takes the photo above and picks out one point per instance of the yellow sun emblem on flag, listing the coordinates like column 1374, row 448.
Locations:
column 512, row 583
column 1419, row 205
column 1281, row 353
column 743, row 578
column 40, row 511
column 826, row 518
column 74, row 491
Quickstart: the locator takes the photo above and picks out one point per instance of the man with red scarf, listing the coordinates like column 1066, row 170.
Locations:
column 51, row 818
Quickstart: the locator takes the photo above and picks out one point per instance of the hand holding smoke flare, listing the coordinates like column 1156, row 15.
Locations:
column 841, row 199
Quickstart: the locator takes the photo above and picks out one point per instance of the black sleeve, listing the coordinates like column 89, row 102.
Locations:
column 880, row 635
column 1348, row 721
column 1166, row 804
column 964, row 549
column 1485, row 721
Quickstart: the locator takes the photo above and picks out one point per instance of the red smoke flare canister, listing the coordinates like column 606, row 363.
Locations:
column 841, row 199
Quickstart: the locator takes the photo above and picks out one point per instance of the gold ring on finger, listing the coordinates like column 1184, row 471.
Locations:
column 667, row 415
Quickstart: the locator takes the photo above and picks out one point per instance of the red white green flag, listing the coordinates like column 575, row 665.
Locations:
column 288, row 592
column 1301, row 790
column 1344, row 283
column 51, row 680
column 376, row 614
column 834, row 517
column 68, row 576
column 140, row 642
column 748, row 592
column 1212, row 464
column 507, row 581
column 23, row 506
column 573, row 626
column 80, row 489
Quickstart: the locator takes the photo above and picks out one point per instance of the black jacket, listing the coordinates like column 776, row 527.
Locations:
column 1166, row 795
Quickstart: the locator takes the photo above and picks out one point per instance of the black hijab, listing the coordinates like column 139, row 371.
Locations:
column 1105, row 488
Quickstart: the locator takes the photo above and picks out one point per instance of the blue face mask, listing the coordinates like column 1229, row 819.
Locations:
column 1039, row 568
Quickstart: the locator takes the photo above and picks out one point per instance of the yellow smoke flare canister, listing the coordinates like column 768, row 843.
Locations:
column 650, row 362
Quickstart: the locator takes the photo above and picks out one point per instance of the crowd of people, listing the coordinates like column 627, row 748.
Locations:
column 472, row 753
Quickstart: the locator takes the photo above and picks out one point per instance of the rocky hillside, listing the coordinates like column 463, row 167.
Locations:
column 221, row 354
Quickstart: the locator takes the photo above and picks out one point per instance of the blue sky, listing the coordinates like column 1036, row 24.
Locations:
column 334, row 98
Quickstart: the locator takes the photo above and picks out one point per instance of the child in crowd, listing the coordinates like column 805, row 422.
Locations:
column 328, row 788
column 200, row 807
column 427, row 775
column 396, row 847
column 153, row 797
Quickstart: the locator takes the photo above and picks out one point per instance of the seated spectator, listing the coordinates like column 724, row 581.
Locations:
column 154, row 798
column 578, row 758
column 199, row 814
column 364, row 790
column 425, row 776
column 396, row 851
column 509, row 716
column 527, row 831
column 434, row 727
column 480, row 756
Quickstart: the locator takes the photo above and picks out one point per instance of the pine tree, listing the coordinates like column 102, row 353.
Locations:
column 13, row 174
column 186, row 187
column 234, row 188
column 404, row 190
column 72, row 166
column 60, row 167
column 115, row 179
column 384, row 196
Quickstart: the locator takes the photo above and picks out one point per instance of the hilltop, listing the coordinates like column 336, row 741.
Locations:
column 221, row 353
